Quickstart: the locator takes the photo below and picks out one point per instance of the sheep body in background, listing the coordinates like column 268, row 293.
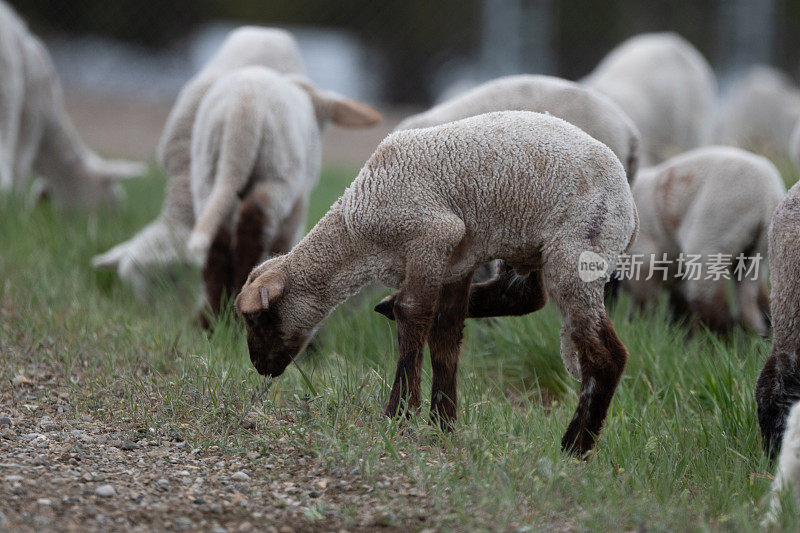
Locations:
column 163, row 241
column 429, row 207
column 255, row 157
column 666, row 87
column 37, row 134
column 591, row 111
column 760, row 113
column 778, row 386
column 712, row 200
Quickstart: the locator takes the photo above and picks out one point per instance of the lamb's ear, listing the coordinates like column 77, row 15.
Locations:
column 386, row 307
column 260, row 293
column 338, row 109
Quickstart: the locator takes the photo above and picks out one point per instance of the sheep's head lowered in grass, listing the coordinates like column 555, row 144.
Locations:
column 278, row 326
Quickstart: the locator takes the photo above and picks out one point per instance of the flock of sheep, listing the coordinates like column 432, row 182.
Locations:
column 527, row 174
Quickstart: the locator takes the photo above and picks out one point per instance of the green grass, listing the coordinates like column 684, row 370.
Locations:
column 680, row 449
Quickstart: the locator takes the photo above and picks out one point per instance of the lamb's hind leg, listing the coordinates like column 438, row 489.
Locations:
column 601, row 356
column 217, row 275
column 445, row 345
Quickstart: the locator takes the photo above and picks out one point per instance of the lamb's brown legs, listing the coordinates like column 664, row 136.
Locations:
column 445, row 346
column 217, row 274
column 602, row 358
column 249, row 247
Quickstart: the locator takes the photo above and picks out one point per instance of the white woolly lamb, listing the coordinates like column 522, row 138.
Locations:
column 256, row 155
column 666, row 87
column 429, row 207
column 760, row 113
column 591, row 111
column 712, row 200
column 36, row 132
column 163, row 241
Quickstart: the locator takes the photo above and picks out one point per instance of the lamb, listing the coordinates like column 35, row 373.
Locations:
column 163, row 241
column 255, row 157
column 431, row 205
column 712, row 200
column 760, row 113
column 37, row 134
column 778, row 385
column 666, row 87
column 591, row 111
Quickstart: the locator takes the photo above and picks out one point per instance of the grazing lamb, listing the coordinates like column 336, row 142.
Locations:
column 429, row 207
column 36, row 132
column 163, row 241
column 256, row 155
column 591, row 111
column 712, row 200
column 666, row 87
column 778, row 386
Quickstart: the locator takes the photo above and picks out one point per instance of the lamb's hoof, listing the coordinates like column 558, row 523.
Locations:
column 579, row 444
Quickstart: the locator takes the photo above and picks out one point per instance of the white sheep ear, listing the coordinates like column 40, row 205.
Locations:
column 350, row 113
column 340, row 110
column 260, row 293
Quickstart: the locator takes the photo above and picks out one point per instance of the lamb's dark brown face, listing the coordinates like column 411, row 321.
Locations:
column 269, row 352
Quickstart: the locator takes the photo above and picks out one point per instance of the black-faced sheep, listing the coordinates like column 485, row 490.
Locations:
column 430, row 206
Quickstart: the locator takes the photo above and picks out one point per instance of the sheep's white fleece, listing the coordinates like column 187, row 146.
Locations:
column 788, row 472
column 432, row 204
column 594, row 113
column 760, row 113
column 259, row 131
column 666, row 87
column 35, row 130
column 164, row 240
column 714, row 199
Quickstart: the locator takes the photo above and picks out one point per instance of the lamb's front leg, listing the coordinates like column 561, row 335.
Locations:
column 414, row 310
column 445, row 345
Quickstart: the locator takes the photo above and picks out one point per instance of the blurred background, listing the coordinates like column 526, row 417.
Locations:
column 122, row 63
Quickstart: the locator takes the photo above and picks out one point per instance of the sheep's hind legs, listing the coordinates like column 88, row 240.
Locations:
column 445, row 346
column 217, row 276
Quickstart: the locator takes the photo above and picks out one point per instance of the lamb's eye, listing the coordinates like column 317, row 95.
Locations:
column 250, row 320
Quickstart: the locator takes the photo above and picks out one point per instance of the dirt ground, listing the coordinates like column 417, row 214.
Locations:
column 124, row 127
column 62, row 469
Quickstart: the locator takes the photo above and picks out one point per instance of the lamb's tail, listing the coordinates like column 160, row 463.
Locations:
column 788, row 472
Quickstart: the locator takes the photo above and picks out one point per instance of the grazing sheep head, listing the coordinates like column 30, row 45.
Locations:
column 278, row 326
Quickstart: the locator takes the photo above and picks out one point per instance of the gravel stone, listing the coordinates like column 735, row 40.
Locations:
column 105, row 491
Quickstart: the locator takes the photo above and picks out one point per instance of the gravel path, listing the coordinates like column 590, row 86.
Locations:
column 60, row 470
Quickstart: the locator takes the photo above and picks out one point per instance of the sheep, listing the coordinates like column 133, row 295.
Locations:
column 666, row 87
column 778, row 385
column 760, row 113
column 163, row 241
column 591, row 111
column 37, row 134
column 712, row 200
column 788, row 472
column 255, row 157
column 429, row 206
